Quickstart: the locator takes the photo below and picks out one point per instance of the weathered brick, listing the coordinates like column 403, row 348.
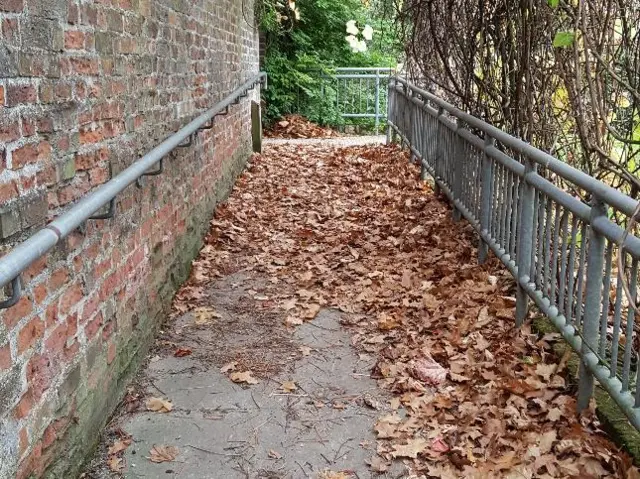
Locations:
column 74, row 40
column 5, row 357
column 54, row 9
column 29, row 154
column 19, row 94
column 10, row 34
column 67, row 170
column 70, row 298
column 41, row 33
column 84, row 66
column 23, row 408
column 29, row 334
column 8, row 191
column 14, row 6
column 34, row 210
column 9, row 128
column 9, row 221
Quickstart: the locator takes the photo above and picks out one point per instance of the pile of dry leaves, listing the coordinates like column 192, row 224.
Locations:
column 355, row 229
column 296, row 126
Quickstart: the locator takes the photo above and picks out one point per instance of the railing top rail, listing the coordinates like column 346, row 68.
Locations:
column 355, row 76
column 27, row 252
column 360, row 69
column 611, row 196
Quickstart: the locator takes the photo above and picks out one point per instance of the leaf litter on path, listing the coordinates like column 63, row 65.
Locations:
column 354, row 229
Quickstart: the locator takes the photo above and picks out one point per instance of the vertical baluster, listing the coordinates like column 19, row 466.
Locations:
column 534, row 246
column 554, row 259
column 580, row 288
column 486, row 194
column 571, row 270
column 437, row 168
column 617, row 315
column 525, row 245
column 547, row 246
column 564, row 226
column 593, row 297
column 508, row 211
column 390, row 113
column 540, row 255
column 628, row 345
column 606, row 286
column 515, row 224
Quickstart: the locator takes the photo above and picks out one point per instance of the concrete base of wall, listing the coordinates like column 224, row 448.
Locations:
column 111, row 375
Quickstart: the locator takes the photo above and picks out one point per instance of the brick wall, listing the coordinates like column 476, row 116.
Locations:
column 87, row 87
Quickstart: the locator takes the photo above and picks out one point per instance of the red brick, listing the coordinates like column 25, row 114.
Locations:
column 35, row 269
column 8, row 191
column 10, row 31
column 23, row 408
column 74, row 40
column 57, row 339
column 97, row 176
column 70, row 298
column 24, row 441
column 93, row 326
column 40, row 293
column 58, row 279
column 29, row 334
column 9, row 130
column 5, row 357
column 84, row 66
column 21, row 94
column 15, row 6
column 91, row 135
column 14, row 314
column 30, row 154
column 40, row 372
column 33, row 465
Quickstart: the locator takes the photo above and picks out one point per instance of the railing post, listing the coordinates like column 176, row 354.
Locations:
column 377, row 101
column 436, row 170
column 458, row 165
column 525, row 241
column 593, row 298
column 486, row 184
column 390, row 117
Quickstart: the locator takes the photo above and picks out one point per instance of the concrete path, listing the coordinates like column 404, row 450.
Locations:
column 311, row 415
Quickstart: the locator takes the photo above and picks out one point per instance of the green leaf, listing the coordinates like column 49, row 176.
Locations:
column 564, row 39
column 553, row 3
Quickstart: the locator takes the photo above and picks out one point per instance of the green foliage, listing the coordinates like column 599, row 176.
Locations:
column 564, row 39
column 300, row 52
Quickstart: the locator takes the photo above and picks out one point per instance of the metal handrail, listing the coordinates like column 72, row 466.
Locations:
column 560, row 250
column 26, row 253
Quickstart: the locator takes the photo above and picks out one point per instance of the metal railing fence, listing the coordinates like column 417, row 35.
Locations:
column 562, row 251
column 357, row 93
column 361, row 92
column 26, row 253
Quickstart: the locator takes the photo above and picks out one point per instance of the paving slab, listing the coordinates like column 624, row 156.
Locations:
column 228, row 430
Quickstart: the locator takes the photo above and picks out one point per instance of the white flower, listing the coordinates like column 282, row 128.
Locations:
column 367, row 32
column 296, row 12
column 292, row 5
column 351, row 27
column 352, row 41
column 360, row 46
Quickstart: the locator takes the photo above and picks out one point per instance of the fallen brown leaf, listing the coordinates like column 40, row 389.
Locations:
column 162, row 453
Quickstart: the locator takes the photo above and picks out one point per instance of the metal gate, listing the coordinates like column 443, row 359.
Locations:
column 361, row 92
